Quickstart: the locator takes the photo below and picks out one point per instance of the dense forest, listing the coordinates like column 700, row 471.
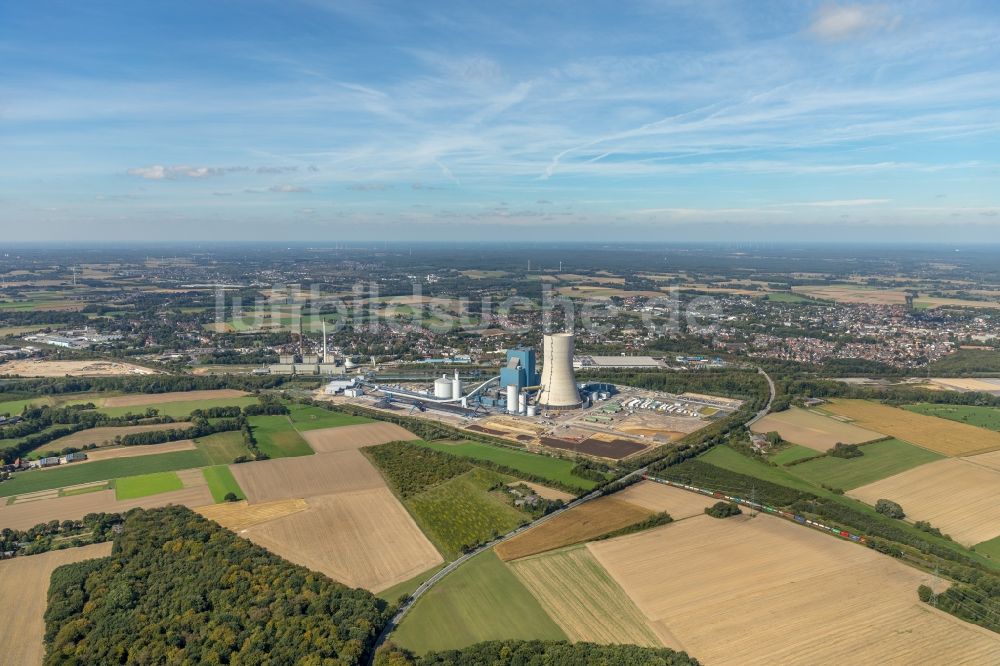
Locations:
column 180, row 589
column 539, row 653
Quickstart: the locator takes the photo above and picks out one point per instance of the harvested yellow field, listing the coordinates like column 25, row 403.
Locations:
column 353, row 437
column 579, row 524
column 960, row 384
column 22, row 515
column 948, row 437
column 306, row 476
column 843, row 293
column 960, row 498
column 813, row 430
column 240, row 515
column 36, row 368
column 544, row 491
column 657, row 497
column 175, row 396
column 991, row 460
column 745, row 591
column 362, row 538
column 142, row 450
column 583, row 599
column 106, row 436
column 24, row 587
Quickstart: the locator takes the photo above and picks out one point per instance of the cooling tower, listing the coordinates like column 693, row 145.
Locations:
column 558, row 383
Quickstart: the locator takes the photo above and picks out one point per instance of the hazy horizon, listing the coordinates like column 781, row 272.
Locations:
column 315, row 120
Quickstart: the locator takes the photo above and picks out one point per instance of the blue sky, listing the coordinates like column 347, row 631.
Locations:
column 330, row 120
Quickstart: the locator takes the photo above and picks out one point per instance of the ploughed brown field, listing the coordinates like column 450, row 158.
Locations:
column 579, row 524
column 948, row 437
column 615, row 449
column 24, row 587
column 137, row 400
column 762, row 591
column 813, row 430
column 960, row 498
column 353, row 437
column 22, row 515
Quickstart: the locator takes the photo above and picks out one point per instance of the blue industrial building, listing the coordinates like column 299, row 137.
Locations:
column 520, row 369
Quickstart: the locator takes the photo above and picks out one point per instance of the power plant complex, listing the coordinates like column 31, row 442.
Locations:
column 519, row 388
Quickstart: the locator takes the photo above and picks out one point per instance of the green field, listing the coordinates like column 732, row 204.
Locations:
column 70, row 492
column 221, row 481
column 277, row 438
column 880, row 460
column 101, row 470
column 990, row 549
column 982, row 417
column 482, row 600
column 556, row 469
column 791, row 454
column 727, row 458
column 313, row 418
column 786, row 297
column 222, row 448
column 131, row 487
column 463, row 512
column 407, row 587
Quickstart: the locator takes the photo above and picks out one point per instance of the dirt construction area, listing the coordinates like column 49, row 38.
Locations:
column 24, row 588
column 958, row 497
column 22, row 515
column 762, row 591
column 35, row 368
column 354, row 437
column 362, row 538
column 813, row 430
column 574, row 526
column 176, row 396
column 940, row 435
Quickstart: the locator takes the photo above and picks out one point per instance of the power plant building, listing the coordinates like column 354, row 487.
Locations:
column 558, row 382
column 520, row 369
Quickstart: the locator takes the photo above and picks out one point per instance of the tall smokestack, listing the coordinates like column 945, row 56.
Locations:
column 558, row 382
column 324, row 341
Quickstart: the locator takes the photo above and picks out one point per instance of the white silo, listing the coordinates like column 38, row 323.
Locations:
column 456, row 386
column 512, row 398
column 558, row 383
column 522, row 403
column 442, row 387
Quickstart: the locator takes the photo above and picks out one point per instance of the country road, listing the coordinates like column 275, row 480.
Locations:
column 452, row 566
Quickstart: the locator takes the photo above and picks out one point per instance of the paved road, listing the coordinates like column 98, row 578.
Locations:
column 436, row 578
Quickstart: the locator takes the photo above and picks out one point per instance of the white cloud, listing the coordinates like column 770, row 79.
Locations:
column 836, row 22
column 160, row 172
column 834, row 203
column 288, row 189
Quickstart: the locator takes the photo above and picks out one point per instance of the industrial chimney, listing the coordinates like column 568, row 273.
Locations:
column 558, row 383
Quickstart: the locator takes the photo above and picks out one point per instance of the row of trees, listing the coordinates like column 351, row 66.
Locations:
column 537, row 653
column 54, row 535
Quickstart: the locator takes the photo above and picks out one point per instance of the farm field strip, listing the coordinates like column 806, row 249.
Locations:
column 880, row 460
column 240, row 515
column 24, row 587
column 657, row 497
column 703, row 582
column 576, row 591
column 180, row 409
column 134, row 487
column 813, row 430
column 106, row 435
column 991, row 460
column 937, row 434
column 482, row 600
column 111, row 453
column 350, row 437
column 579, row 524
column 76, row 506
column 143, row 399
column 220, row 482
column 547, row 467
column 960, row 498
column 363, row 538
column 306, row 476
